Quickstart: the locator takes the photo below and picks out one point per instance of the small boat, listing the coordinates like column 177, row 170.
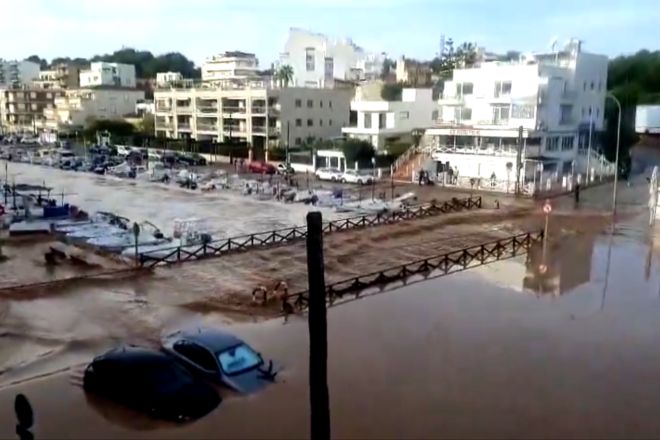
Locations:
column 187, row 233
column 149, row 235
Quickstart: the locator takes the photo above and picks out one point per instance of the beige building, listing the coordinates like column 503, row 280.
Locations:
column 22, row 109
column 62, row 76
column 413, row 73
column 77, row 106
column 251, row 111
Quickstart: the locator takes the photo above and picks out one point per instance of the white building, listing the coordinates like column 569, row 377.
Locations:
column 17, row 73
column 108, row 74
column 378, row 120
column 251, row 111
column 552, row 96
column 230, row 65
column 79, row 106
column 316, row 60
column 163, row 78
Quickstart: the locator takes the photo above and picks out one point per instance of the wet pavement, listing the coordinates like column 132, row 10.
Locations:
column 501, row 351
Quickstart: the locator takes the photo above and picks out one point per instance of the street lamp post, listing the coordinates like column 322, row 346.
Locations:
column 618, row 147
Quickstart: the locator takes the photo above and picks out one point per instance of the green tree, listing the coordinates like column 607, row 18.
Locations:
column 389, row 66
column 392, row 92
column 146, row 64
column 285, row 75
column 147, row 125
column 120, row 131
column 358, row 151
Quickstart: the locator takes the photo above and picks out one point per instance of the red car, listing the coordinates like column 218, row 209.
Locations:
column 261, row 168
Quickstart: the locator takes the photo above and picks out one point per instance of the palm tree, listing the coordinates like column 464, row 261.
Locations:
column 466, row 54
column 285, row 74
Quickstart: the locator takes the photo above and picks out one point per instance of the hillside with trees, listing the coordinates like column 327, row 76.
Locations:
column 146, row 63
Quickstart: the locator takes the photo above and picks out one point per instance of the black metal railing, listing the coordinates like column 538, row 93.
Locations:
column 432, row 267
column 278, row 237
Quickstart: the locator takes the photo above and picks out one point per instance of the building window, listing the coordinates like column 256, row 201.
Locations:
column 310, row 123
column 367, row 120
column 321, row 104
column 501, row 114
column 462, row 114
column 522, row 111
column 320, row 122
column 310, row 103
column 330, row 122
column 330, row 104
column 298, row 141
column 502, row 88
column 33, row 95
column 593, row 85
column 309, row 59
column 464, row 89
column 434, row 115
column 567, row 143
column 382, row 120
column 329, row 72
column 404, row 115
column 298, row 103
column 552, row 144
column 298, row 122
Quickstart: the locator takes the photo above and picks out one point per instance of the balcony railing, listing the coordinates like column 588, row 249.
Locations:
column 184, row 109
column 233, row 129
column 226, row 109
column 161, row 108
column 183, row 126
column 207, row 127
column 274, row 110
column 259, row 110
column 165, row 125
column 258, row 129
column 207, row 109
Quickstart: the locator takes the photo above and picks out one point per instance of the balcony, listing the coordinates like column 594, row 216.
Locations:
column 184, row 109
column 234, row 129
column 274, row 131
column 161, row 108
column 259, row 129
column 452, row 99
column 164, row 125
column 259, row 110
column 207, row 109
column 274, row 110
column 228, row 110
column 183, row 126
column 207, row 127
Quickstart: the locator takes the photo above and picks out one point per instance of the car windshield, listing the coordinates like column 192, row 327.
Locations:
column 239, row 359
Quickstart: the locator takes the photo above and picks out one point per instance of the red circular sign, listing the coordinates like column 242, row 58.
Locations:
column 543, row 268
column 547, row 208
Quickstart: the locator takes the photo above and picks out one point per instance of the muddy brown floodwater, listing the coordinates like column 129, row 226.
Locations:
column 495, row 352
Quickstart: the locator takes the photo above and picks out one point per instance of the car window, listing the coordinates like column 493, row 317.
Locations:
column 239, row 359
column 166, row 378
column 196, row 354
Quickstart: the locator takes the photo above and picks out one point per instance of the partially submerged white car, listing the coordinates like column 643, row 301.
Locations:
column 331, row 174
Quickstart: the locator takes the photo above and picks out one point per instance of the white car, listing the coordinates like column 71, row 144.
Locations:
column 352, row 176
column 332, row 174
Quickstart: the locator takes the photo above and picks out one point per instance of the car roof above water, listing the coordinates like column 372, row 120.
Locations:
column 213, row 339
column 132, row 355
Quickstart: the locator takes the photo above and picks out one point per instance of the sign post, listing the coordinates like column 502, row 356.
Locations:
column 373, row 178
column 547, row 209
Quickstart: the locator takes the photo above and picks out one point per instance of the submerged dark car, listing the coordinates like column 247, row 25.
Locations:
column 221, row 357
column 151, row 382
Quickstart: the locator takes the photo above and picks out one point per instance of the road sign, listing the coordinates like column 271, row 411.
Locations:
column 547, row 208
column 543, row 268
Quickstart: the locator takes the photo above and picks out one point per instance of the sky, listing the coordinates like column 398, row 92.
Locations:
column 200, row 28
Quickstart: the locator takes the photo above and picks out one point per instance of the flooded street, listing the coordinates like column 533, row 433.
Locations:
column 500, row 351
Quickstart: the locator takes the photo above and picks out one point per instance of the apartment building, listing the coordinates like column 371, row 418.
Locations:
column 108, row 74
column 163, row 78
column 379, row 121
column 76, row 107
column 62, row 76
column 230, row 65
column 554, row 97
column 15, row 73
column 252, row 111
column 317, row 60
column 22, row 109
column 413, row 73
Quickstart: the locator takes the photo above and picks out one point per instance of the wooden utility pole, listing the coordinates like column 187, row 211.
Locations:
column 318, row 331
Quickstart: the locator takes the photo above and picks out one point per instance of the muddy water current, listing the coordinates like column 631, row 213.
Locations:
column 501, row 351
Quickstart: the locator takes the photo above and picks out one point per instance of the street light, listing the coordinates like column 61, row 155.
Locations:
column 618, row 147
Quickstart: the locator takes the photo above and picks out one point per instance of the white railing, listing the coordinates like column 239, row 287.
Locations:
column 482, row 151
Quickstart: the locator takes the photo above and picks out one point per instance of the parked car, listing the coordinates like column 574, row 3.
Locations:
column 353, row 176
column 332, row 174
column 192, row 159
column 151, row 382
column 261, row 167
column 283, row 168
column 221, row 357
